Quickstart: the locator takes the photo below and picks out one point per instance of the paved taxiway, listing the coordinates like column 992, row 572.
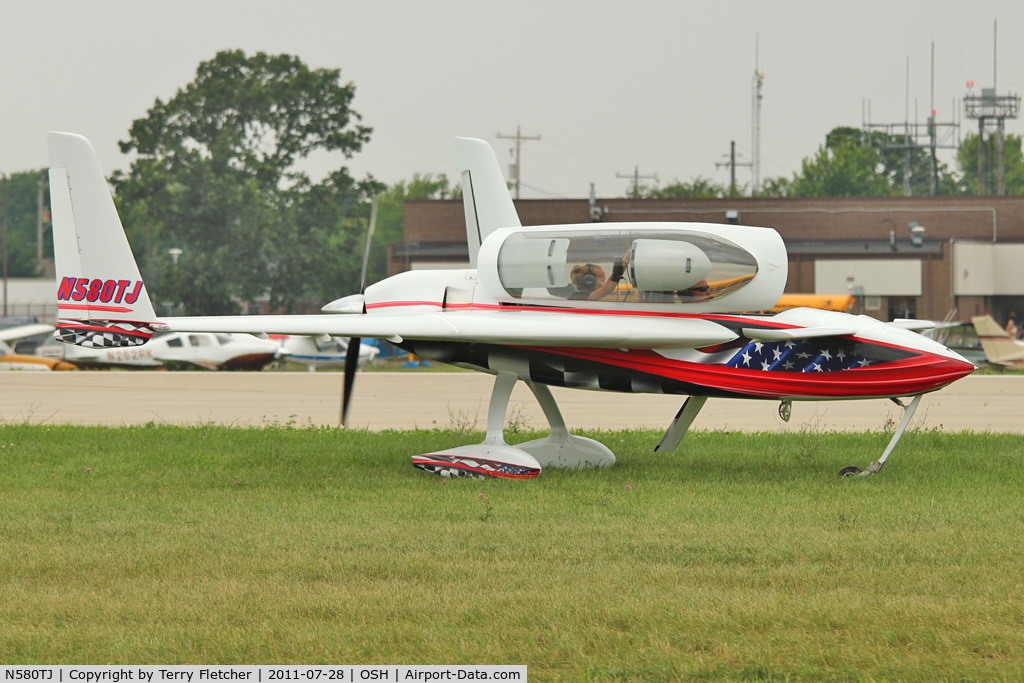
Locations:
column 386, row 400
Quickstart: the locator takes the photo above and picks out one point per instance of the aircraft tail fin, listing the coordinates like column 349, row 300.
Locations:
column 485, row 196
column 996, row 342
column 101, row 298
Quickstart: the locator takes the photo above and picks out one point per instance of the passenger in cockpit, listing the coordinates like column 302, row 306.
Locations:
column 699, row 292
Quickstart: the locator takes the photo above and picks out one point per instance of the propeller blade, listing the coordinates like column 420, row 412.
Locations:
column 352, row 354
column 369, row 242
column 351, row 364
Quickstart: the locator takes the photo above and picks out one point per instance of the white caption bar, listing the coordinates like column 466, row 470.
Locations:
column 258, row 674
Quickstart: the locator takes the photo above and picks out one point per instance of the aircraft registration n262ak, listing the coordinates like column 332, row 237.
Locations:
column 624, row 307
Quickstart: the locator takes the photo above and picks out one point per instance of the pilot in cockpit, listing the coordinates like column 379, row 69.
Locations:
column 589, row 281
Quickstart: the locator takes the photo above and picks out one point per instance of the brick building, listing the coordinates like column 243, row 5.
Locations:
column 904, row 256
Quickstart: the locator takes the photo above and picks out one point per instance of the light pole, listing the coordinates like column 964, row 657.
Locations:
column 5, row 244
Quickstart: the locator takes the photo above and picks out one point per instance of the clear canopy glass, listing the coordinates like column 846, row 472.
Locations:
column 628, row 266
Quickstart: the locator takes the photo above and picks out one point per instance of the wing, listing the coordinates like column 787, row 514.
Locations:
column 531, row 328
column 15, row 333
column 759, row 334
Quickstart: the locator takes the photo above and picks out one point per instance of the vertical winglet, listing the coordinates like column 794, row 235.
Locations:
column 485, row 196
column 101, row 299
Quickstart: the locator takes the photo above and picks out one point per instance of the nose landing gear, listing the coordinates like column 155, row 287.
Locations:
column 876, row 467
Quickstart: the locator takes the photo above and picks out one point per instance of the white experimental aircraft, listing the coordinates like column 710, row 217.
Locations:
column 535, row 305
column 194, row 350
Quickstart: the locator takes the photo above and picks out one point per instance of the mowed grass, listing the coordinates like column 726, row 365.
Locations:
column 738, row 557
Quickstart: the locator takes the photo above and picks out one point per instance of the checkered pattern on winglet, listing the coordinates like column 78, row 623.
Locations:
column 454, row 466
column 103, row 334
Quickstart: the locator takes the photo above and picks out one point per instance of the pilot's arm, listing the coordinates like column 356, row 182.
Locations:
column 613, row 280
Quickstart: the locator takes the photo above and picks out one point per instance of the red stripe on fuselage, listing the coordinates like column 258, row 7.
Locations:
column 747, row 322
column 102, row 328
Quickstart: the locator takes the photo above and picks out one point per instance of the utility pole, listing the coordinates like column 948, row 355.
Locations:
column 906, row 136
column 636, row 180
column 732, row 164
column 520, row 139
column 931, row 130
column 40, row 219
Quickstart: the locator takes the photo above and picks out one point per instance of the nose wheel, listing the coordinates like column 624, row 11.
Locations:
column 875, row 467
column 785, row 409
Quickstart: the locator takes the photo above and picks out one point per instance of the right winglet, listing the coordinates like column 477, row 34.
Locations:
column 485, row 196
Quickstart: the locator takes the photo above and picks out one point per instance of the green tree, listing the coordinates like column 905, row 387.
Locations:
column 698, row 187
column 390, row 228
column 900, row 163
column 778, row 186
column 1013, row 164
column 216, row 176
column 22, row 212
column 842, row 167
column 853, row 163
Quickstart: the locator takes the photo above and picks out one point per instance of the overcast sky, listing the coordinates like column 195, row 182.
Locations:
column 609, row 86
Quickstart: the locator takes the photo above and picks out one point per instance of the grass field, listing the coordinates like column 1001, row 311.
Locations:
column 739, row 557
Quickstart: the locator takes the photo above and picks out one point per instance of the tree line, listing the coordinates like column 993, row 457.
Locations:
column 852, row 163
column 220, row 213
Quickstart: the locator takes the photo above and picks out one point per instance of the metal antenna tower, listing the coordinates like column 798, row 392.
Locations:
column 520, row 139
column 909, row 136
column 991, row 111
column 755, row 160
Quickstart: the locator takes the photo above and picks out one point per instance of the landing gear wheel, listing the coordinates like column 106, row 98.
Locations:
column 785, row 409
column 850, row 471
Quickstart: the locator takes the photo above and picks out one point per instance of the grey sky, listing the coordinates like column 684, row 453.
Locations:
column 608, row 85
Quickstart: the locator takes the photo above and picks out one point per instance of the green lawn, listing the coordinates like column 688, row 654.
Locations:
column 739, row 557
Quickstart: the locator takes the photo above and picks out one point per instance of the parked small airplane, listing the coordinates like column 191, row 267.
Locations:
column 10, row 360
column 999, row 347
column 195, row 349
column 627, row 307
column 314, row 352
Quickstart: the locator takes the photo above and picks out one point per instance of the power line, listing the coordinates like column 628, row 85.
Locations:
column 578, row 156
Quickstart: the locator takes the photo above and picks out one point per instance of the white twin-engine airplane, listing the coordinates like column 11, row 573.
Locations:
column 627, row 307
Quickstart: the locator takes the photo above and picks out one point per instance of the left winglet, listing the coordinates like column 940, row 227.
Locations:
column 101, row 298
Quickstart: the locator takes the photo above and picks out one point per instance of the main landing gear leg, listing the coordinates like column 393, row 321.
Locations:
column 560, row 448
column 875, row 467
column 495, row 458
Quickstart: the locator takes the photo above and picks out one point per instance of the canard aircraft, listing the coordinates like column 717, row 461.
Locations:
column 625, row 307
